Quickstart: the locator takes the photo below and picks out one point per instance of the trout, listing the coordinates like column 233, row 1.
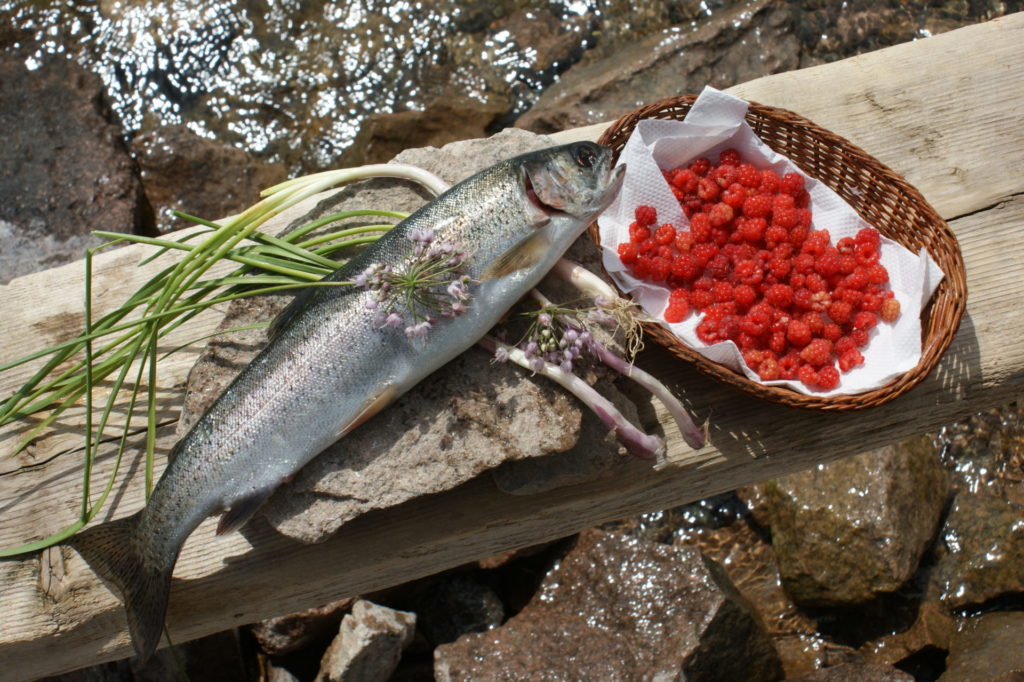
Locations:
column 329, row 366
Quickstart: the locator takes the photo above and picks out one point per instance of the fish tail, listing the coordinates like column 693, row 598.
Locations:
column 112, row 551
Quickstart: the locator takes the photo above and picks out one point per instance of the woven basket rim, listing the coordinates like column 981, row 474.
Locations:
column 942, row 315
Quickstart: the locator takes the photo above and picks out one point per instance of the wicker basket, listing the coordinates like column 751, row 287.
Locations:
column 879, row 195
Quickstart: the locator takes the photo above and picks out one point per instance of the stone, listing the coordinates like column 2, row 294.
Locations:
column 673, row 62
column 988, row 648
column 848, row 531
column 182, row 171
column 64, row 169
column 456, row 604
column 369, row 644
column 286, row 634
column 932, row 630
column 467, row 418
column 620, row 608
column 981, row 553
column 856, row 672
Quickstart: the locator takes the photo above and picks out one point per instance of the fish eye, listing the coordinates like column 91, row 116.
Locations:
column 585, row 156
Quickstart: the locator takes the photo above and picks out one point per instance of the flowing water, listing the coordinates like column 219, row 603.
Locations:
column 294, row 80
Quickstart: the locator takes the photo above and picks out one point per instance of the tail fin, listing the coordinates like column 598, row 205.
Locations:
column 111, row 550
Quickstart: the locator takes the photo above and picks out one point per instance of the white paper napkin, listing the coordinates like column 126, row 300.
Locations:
column 714, row 123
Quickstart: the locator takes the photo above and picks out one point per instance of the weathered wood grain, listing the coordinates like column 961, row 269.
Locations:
column 943, row 111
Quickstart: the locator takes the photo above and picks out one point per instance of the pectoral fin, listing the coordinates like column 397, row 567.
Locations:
column 527, row 252
column 371, row 407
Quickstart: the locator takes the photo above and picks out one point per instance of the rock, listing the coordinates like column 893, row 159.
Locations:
column 989, row 648
column 985, row 453
column 856, row 528
column 676, row 61
column 463, row 420
column 981, row 556
column 456, row 604
column 553, row 43
column 932, row 630
column 286, row 634
column 369, row 644
column 621, row 608
column 857, row 672
column 64, row 169
column 182, row 171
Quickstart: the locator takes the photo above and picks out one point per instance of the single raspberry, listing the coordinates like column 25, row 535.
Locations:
column 722, row 291
column 638, row 233
column 804, row 263
column 679, row 294
column 720, row 235
column 832, row 332
column 844, row 345
column 782, row 202
column 783, row 250
column 803, row 298
column 769, row 369
column 734, row 196
column 814, row 321
column 798, row 235
column 869, row 235
column 700, row 166
column 646, row 246
column 757, row 206
column 850, row 359
column 753, row 356
column 627, row 253
column 780, row 295
column 707, row 331
column 744, row 295
column 755, row 322
column 660, row 269
column 724, row 175
column 779, row 268
column 802, row 199
column 665, row 234
column 864, row 320
column 684, row 179
column 847, row 264
column 684, row 241
column 816, row 242
column 701, row 299
column 890, row 310
column 704, row 252
column 846, row 245
column 791, row 183
column 708, row 189
column 747, row 342
column 777, row 342
column 769, row 182
column 871, row 303
column 866, row 254
column 815, row 283
column 817, row 352
column 877, row 274
column 851, row 296
column 798, row 333
column 840, row 311
column 774, row 235
column 700, row 227
column 676, row 311
column 718, row 266
column 641, row 267
column 752, row 230
column 860, row 337
column 729, row 156
column 856, row 280
column 786, row 217
column 828, row 378
column 807, row 376
column 721, row 214
column 804, row 217
column 828, row 262
column 645, row 215
column 747, row 175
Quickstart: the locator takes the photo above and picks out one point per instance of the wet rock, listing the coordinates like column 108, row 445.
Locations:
column 676, row 61
column 463, row 420
column 850, row 530
column 369, row 644
column 445, row 120
column 753, row 496
column 981, row 553
column 621, row 608
column 457, row 604
column 985, row 453
column 286, row 634
column 932, row 630
column 182, row 171
column 552, row 42
column 64, row 169
column 857, row 672
column 989, row 648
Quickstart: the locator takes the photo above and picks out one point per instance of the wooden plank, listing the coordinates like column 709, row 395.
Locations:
column 59, row 617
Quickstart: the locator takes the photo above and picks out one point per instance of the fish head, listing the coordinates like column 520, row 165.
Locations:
column 575, row 179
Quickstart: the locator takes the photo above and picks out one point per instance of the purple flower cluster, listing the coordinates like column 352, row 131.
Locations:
column 554, row 338
column 430, row 283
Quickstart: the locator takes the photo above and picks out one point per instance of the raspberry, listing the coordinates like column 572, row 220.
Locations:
column 627, row 253
column 708, row 189
column 700, row 166
column 798, row 333
column 890, row 310
column 785, row 217
column 779, row 268
column 646, row 246
column 701, row 299
column 684, row 241
column 747, row 175
column 864, row 320
column 684, row 179
column 832, row 332
column 777, row 342
column 660, row 269
column 638, row 233
column 645, row 215
column 700, row 227
column 721, row 214
column 724, row 175
column 804, row 263
column 757, row 206
column 814, row 321
column 847, row 264
column 769, row 369
column 791, row 183
column 807, row 376
column 775, row 234
column 869, row 235
column 721, row 291
column 782, row 202
column 840, row 311
column 769, row 182
column 857, row 280
column 804, row 217
column 665, row 234
column 676, row 311
column 704, row 252
column 845, row 245
column 815, row 283
column 734, row 196
column 666, row 252
column 860, row 337
column 729, row 156
column 828, row 378
column 877, row 274
column 798, row 235
column 850, row 359
column 744, row 295
column 755, row 322
column 679, row 294
column 844, row 345
column 871, row 303
column 817, row 352
column 753, row 229
column 780, row 295
column 827, row 262
column 866, row 254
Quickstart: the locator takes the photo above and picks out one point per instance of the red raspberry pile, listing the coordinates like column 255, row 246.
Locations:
column 794, row 303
